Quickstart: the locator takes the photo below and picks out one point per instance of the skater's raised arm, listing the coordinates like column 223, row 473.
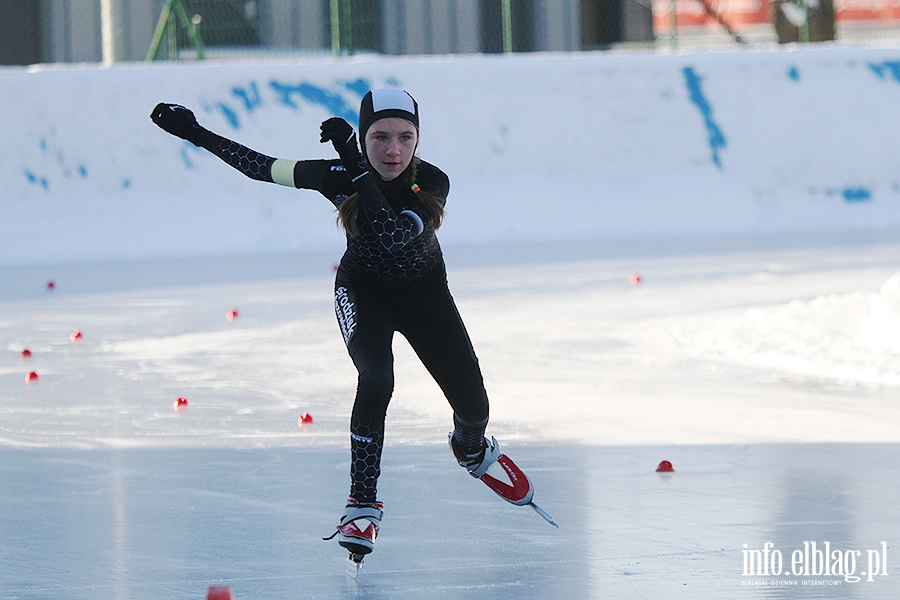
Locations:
column 306, row 174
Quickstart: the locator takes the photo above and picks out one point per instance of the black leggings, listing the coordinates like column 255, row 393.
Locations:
column 369, row 312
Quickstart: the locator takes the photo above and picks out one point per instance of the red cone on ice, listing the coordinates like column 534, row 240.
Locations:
column 219, row 592
column 232, row 315
column 665, row 467
column 180, row 405
column 51, row 285
column 31, row 377
column 635, row 279
column 26, row 353
column 304, row 419
column 75, row 336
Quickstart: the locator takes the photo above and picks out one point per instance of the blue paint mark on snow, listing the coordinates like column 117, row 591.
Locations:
column 126, row 184
column 82, row 170
column 36, row 179
column 857, row 194
column 185, row 157
column 794, row 73
column 335, row 103
column 229, row 115
column 717, row 140
column 250, row 98
column 360, row 86
column 886, row 68
column 285, row 91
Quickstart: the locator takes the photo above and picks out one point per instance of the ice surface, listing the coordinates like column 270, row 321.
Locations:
column 169, row 523
column 765, row 369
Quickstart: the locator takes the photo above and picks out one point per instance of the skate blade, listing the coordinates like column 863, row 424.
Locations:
column 543, row 513
column 354, row 563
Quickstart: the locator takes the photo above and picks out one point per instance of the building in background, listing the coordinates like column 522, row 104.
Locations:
column 50, row 31
column 109, row 31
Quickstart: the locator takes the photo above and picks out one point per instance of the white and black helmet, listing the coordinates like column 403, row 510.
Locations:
column 384, row 103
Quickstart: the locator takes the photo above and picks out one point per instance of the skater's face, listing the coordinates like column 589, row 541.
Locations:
column 390, row 145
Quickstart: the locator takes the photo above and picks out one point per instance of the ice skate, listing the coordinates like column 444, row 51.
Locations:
column 501, row 474
column 358, row 528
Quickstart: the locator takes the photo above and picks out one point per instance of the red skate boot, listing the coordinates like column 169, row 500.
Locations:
column 501, row 474
column 358, row 528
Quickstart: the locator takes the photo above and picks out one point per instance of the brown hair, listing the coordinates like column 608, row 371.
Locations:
column 432, row 206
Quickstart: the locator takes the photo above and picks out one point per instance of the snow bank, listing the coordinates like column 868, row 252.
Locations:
column 538, row 148
column 852, row 337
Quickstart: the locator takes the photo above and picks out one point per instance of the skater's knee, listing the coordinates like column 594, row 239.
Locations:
column 376, row 385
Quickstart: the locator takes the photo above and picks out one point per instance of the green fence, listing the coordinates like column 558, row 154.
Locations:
column 35, row 31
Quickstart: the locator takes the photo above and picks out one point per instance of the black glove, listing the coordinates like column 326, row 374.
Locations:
column 177, row 120
column 341, row 135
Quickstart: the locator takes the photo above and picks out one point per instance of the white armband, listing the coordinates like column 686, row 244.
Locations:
column 283, row 171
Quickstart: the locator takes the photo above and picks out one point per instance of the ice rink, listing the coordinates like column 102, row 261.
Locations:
column 765, row 369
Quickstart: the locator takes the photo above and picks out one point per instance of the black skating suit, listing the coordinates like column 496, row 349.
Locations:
column 391, row 278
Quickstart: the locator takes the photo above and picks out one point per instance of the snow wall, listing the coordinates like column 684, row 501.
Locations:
column 538, row 148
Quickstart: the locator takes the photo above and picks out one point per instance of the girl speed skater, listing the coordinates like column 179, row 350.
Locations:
column 391, row 278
